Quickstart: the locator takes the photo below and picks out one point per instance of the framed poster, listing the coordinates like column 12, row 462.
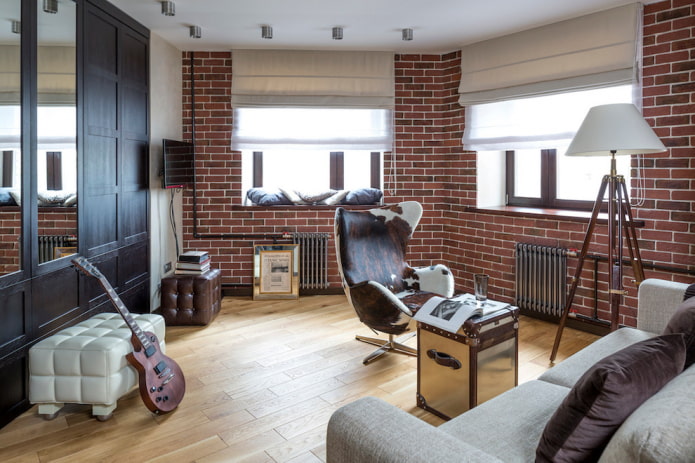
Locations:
column 64, row 251
column 276, row 271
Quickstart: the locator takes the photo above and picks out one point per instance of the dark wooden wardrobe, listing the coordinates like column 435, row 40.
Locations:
column 111, row 98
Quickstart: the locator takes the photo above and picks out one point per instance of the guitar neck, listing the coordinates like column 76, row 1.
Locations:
column 125, row 313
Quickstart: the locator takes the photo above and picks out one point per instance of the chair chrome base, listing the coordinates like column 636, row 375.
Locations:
column 392, row 345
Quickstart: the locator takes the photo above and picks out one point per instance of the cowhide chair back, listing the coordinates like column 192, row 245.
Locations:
column 383, row 289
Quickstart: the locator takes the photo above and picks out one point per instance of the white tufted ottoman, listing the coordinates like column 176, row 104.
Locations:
column 86, row 364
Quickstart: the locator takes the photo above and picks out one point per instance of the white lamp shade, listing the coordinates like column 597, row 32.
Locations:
column 618, row 128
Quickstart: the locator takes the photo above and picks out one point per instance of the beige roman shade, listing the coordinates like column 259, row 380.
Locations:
column 10, row 75
column 56, row 79
column 592, row 51
column 344, row 79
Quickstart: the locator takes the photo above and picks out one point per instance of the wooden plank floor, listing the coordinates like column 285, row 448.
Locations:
column 262, row 381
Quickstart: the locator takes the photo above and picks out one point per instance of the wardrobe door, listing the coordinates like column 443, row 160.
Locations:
column 102, row 132
column 116, row 150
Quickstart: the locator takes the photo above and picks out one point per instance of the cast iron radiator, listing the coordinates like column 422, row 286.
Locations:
column 49, row 243
column 313, row 259
column 541, row 279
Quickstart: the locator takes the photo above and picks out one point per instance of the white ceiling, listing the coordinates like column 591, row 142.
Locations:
column 439, row 26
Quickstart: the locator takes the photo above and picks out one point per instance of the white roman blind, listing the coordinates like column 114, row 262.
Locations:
column 300, row 78
column 56, row 81
column 592, row 51
column 312, row 100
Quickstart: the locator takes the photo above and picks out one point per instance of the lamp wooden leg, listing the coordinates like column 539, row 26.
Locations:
column 580, row 264
column 618, row 209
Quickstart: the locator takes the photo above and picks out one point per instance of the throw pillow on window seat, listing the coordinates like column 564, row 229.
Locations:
column 262, row 197
column 314, row 197
column 17, row 196
column 53, row 197
column 363, row 196
column 6, row 198
column 336, row 198
column 327, row 197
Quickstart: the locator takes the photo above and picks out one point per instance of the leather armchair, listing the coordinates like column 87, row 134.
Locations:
column 383, row 289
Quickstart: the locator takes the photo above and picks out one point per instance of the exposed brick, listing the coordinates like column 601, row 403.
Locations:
column 433, row 168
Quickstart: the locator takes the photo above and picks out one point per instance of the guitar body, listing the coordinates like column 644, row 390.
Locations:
column 162, row 384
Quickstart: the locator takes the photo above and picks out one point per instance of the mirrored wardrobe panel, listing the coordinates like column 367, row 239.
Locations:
column 56, row 129
column 10, row 137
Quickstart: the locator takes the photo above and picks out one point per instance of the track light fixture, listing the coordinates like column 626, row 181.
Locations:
column 168, row 8
column 407, row 34
column 266, row 32
column 337, row 33
column 50, row 6
column 196, row 32
column 16, row 27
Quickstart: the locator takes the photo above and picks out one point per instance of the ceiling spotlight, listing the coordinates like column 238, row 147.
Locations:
column 337, row 33
column 16, row 27
column 196, row 32
column 168, row 8
column 407, row 34
column 50, row 6
column 266, row 32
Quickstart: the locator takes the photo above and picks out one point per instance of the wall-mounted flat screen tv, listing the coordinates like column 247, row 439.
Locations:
column 179, row 157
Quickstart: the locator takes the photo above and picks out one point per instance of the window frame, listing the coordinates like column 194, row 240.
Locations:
column 548, row 197
column 336, row 170
column 54, row 170
column 7, row 168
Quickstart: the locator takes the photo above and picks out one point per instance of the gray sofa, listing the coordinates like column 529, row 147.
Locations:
column 508, row 427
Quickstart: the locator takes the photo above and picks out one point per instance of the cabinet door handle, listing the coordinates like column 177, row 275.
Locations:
column 444, row 359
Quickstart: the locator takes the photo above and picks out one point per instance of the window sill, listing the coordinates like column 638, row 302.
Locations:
column 564, row 214
column 294, row 207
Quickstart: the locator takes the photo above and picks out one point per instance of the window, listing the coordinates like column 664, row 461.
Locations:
column 532, row 135
column 542, row 178
column 7, row 168
column 54, row 170
column 311, row 149
column 316, row 170
column 56, row 153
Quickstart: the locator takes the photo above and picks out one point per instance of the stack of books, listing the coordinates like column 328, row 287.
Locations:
column 193, row 263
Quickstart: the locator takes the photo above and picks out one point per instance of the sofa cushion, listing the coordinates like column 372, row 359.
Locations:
column 508, row 427
column 370, row 430
column 607, row 394
column 661, row 429
column 657, row 300
column 568, row 372
column 683, row 321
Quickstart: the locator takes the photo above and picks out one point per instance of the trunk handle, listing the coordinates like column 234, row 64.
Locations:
column 444, row 359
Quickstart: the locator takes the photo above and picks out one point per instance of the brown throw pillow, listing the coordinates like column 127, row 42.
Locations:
column 605, row 395
column 689, row 292
column 683, row 321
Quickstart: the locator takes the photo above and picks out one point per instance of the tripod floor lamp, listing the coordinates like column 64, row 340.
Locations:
column 611, row 130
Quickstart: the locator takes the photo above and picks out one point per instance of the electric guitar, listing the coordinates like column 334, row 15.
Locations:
column 162, row 384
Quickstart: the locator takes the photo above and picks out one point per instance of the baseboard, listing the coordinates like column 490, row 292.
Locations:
column 247, row 291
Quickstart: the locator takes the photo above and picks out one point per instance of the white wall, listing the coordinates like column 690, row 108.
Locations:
column 165, row 122
column 491, row 178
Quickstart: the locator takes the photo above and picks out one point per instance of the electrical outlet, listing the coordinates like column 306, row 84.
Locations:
column 167, row 267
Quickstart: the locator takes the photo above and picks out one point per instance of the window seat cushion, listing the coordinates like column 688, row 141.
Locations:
column 284, row 196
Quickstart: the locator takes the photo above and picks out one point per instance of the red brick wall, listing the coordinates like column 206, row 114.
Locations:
column 429, row 128
column 10, row 231
column 432, row 167
column 60, row 221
